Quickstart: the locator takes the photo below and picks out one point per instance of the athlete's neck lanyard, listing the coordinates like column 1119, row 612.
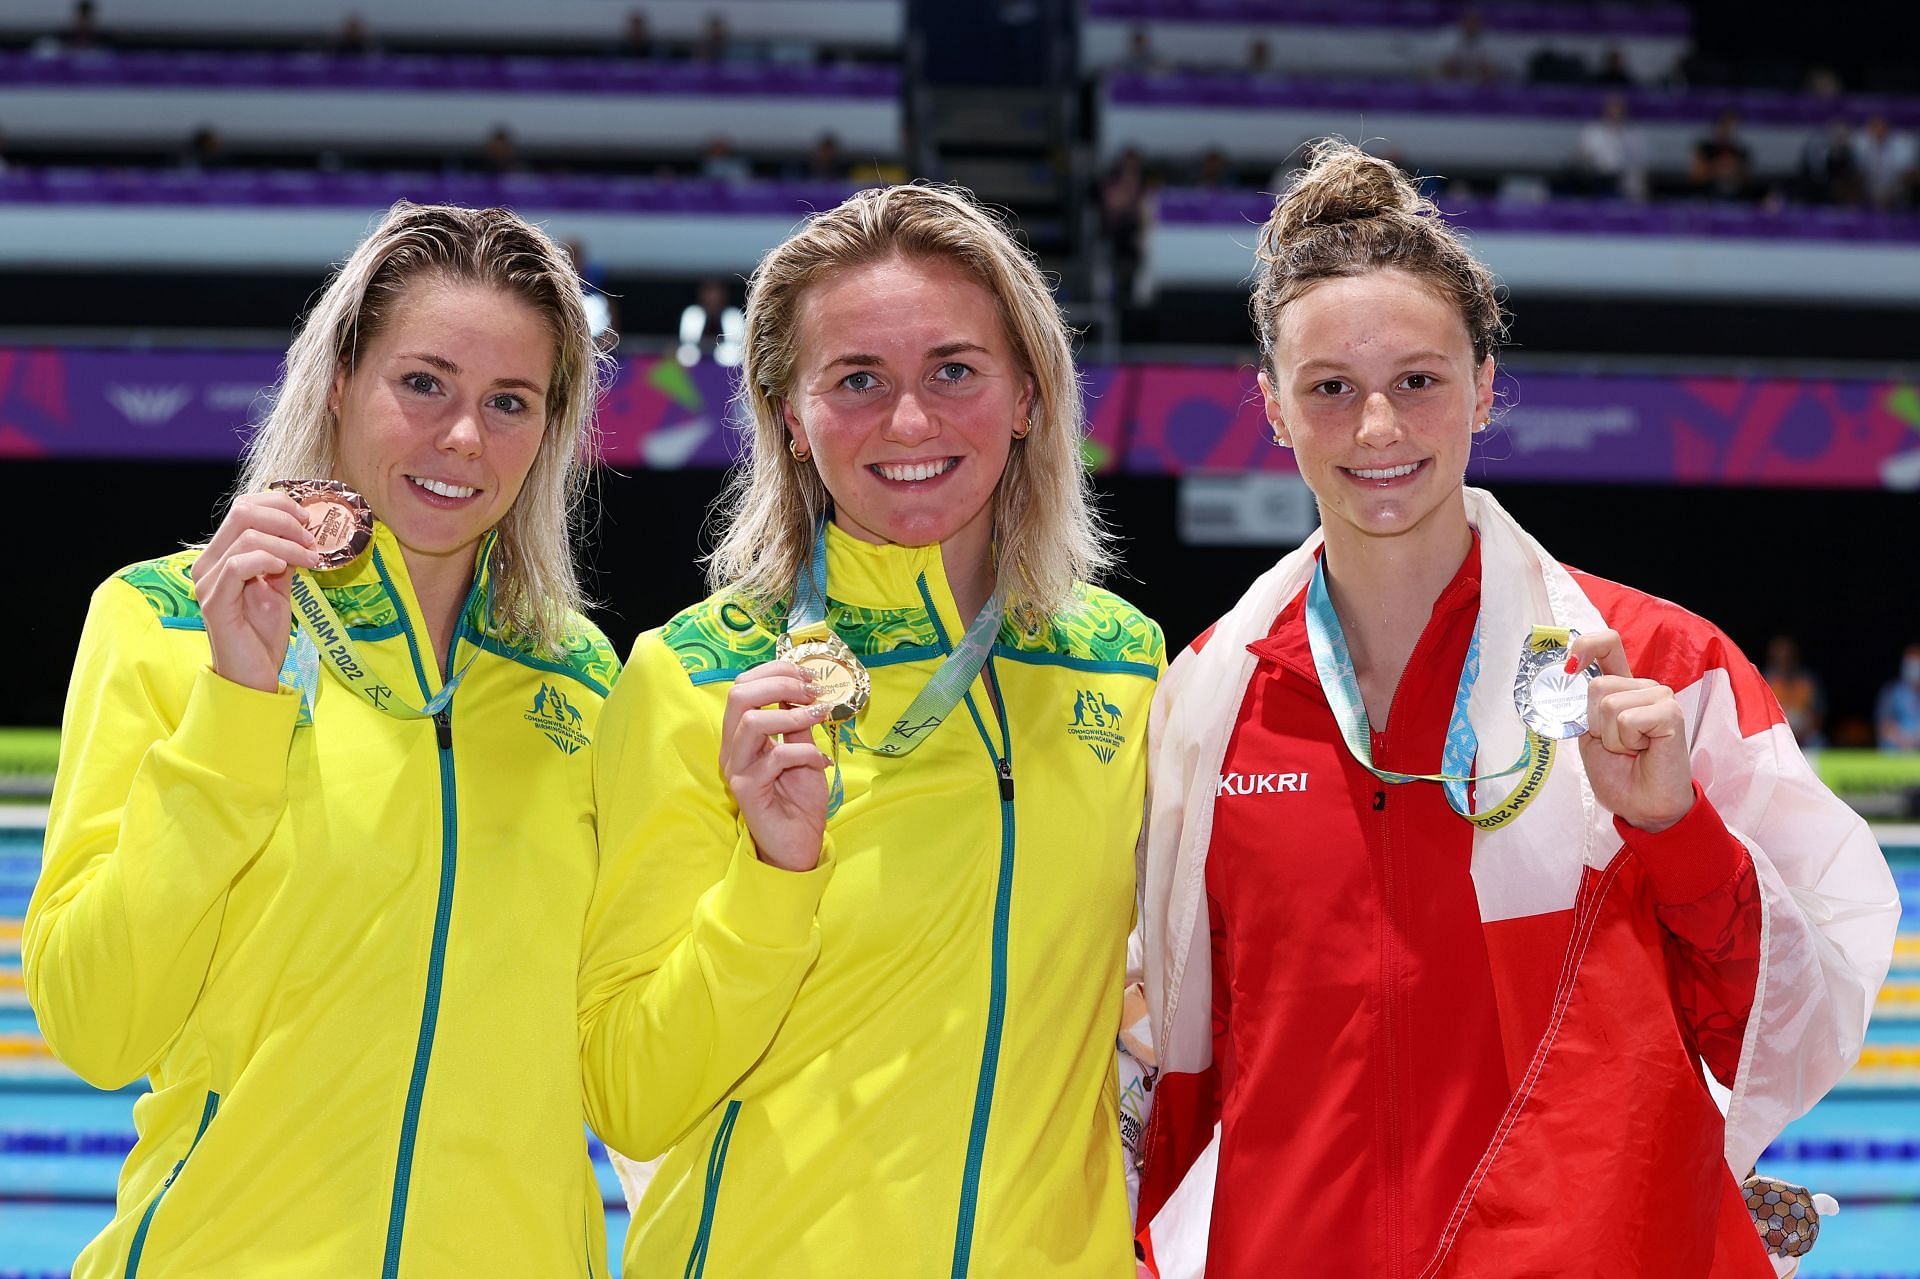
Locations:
column 324, row 641
column 1342, row 687
column 943, row 691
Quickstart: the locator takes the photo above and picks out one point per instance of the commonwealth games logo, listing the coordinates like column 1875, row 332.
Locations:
column 556, row 717
column 1096, row 722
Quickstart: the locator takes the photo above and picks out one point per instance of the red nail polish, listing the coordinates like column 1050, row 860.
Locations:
column 1573, row 665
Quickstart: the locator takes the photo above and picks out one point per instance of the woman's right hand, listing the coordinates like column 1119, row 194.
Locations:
column 780, row 786
column 242, row 582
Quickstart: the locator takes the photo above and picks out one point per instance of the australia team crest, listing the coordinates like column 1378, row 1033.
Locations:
column 558, row 719
column 1097, row 723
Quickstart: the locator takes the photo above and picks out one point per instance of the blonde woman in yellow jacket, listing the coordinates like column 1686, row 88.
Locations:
column 859, row 981
column 333, row 911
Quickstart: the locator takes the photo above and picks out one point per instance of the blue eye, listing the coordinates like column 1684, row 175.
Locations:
column 511, row 404
column 421, row 383
column 953, row 371
column 860, row 381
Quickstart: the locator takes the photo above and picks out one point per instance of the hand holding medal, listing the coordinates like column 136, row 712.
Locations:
column 242, row 582
column 1635, row 747
column 776, row 773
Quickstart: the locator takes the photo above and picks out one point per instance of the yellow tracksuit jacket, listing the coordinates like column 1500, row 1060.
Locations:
column 902, row 1062
column 345, row 950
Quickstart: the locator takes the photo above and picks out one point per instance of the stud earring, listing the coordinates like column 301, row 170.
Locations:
column 1279, row 441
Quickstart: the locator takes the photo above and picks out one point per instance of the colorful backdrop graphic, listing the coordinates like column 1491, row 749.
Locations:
column 1145, row 418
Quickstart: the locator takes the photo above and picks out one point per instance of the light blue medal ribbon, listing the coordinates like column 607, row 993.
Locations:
column 324, row 642
column 934, row 702
column 1342, row 687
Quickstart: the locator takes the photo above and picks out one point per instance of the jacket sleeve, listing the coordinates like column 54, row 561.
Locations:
column 169, row 783
column 1827, row 907
column 1708, row 899
column 694, row 947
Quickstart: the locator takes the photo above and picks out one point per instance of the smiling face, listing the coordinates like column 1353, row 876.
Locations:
column 442, row 420
column 1375, row 387
column 906, row 391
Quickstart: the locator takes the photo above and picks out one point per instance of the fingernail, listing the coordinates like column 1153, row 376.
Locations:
column 820, row 711
column 815, row 687
column 1573, row 665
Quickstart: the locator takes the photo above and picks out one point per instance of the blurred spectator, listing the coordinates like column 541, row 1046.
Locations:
column 715, row 43
column 1549, row 65
column 1886, row 161
column 205, row 151
column 1123, row 216
column 1466, row 57
column 1260, row 56
column 1614, row 70
column 723, row 164
column 637, row 40
column 1896, row 716
column 1830, row 166
column 1213, row 174
column 602, row 316
column 354, row 40
column 1612, row 153
column 1139, row 54
column 502, row 154
column 1722, row 165
column 84, row 31
column 711, row 328
column 1797, row 689
column 1824, row 83
column 826, row 164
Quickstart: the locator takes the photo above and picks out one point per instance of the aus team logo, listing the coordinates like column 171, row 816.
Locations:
column 1096, row 722
column 559, row 719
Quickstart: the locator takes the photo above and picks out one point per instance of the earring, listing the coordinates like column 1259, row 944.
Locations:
column 1020, row 432
column 1279, row 441
column 799, row 454
column 1484, row 424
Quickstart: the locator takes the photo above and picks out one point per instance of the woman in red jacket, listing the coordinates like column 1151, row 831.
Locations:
column 1430, row 981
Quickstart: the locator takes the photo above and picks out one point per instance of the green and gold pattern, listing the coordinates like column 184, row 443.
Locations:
column 720, row 637
column 167, row 585
column 1104, row 629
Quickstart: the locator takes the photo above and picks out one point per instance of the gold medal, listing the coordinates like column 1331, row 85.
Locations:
column 829, row 663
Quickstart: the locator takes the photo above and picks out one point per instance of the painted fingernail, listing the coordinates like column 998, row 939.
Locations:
column 815, row 687
column 1573, row 665
column 819, row 712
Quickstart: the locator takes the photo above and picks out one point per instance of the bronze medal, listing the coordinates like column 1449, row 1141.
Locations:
column 338, row 518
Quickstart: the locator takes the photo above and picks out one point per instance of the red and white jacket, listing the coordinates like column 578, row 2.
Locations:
column 1383, row 1088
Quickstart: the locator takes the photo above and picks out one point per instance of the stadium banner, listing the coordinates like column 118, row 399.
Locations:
column 1167, row 419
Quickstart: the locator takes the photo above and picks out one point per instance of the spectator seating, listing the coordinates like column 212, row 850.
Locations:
column 1377, row 37
column 434, row 101
column 1599, row 248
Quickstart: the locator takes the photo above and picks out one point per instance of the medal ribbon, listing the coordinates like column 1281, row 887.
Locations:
column 944, row 691
column 1342, row 687
column 325, row 641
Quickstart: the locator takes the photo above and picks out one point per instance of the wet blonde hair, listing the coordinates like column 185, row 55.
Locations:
column 536, row 586
column 1350, row 213
column 1047, row 534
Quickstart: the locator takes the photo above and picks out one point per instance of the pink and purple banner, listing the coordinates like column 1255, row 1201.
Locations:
column 1145, row 418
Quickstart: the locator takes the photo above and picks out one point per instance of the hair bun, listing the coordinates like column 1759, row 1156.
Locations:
column 1342, row 183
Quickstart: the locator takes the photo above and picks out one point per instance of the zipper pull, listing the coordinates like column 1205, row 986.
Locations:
column 1006, row 780
column 443, row 729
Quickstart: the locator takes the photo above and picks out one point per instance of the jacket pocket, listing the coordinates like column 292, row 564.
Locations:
column 146, row 1218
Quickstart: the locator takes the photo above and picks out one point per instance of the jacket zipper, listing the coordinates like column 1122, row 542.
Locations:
column 437, row 956
column 997, row 982
column 997, row 997
column 140, row 1236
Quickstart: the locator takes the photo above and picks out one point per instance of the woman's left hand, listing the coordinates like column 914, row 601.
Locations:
column 1635, row 748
